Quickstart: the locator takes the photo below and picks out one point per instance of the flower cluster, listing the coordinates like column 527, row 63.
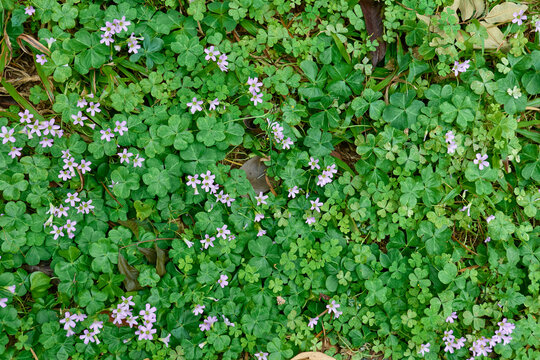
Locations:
column 460, row 67
column 449, row 138
column 484, row 346
column 115, row 27
column 215, row 55
column 209, row 321
column 195, row 105
column 480, row 347
column 279, row 137
column 254, row 89
column 450, row 342
column 327, row 174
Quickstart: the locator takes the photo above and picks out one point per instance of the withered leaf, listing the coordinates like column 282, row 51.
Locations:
column 161, row 260
column 149, row 254
column 372, row 16
column 255, row 173
column 131, row 274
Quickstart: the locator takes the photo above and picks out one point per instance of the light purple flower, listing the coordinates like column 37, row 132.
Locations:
column 195, row 105
column 293, row 192
column 199, row 309
column 313, row 322
column 93, row 108
column 15, row 151
column 261, row 355
column 424, row 348
column 7, row 135
column 261, row 199
column 106, row 134
column 315, row 205
column 29, row 10
column 40, row 58
column 450, row 319
column 481, row 161
column 519, row 17
column 490, row 218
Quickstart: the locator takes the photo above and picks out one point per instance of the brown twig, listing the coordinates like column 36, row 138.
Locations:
column 469, row 268
column 82, row 181
column 34, row 354
column 107, row 190
column 464, row 246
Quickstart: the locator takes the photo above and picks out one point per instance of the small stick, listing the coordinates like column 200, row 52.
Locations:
column 463, row 245
column 110, row 193
column 34, row 354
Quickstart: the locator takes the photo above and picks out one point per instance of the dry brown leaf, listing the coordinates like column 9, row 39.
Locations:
column 467, row 9
column 503, row 12
column 480, row 6
column 456, row 5
column 495, row 38
column 311, row 355
column 256, row 174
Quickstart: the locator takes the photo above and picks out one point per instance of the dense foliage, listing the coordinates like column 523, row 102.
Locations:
column 397, row 216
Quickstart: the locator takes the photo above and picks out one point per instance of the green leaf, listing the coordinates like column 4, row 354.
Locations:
column 448, row 273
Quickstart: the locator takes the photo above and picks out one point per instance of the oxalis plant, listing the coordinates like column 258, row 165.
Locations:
column 255, row 179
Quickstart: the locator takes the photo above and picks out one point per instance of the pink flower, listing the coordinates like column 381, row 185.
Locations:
column 332, row 308
column 199, row 309
column 258, row 217
column 7, row 135
column 93, row 108
column 261, row 355
column 293, row 192
column 25, row 116
column 424, row 348
column 481, row 161
column 84, row 166
column 195, row 105
column 223, row 281
column 87, row 337
column 261, row 232
column 223, row 232
column 208, row 241
column 137, row 162
column 313, row 322
column 310, row 220
column 257, row 99
column 211, row 53
column 78, row 119
column 15, row 151
column 222, row 63
column 120, row 127
column 106, row 134
column 489, row 218
column 261, row 199
column 450, row 319
column 3, row 302
column 315, row 205
column 40, row 58
column 124, row 156
column 29, row 10
column 314, row 163
column 106, row 39
column 57, row 231
column 213, row 104
column 519, row 17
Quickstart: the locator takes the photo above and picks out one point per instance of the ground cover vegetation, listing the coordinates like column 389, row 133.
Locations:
column 251, row 179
